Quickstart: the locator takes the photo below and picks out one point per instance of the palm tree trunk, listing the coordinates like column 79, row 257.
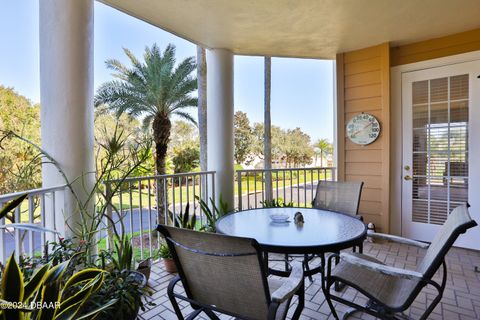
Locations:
column 161, row 135
column 321, row 159
column 267, row 135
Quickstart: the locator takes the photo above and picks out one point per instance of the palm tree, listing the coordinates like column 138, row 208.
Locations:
column 325, row 148
column 154, row 89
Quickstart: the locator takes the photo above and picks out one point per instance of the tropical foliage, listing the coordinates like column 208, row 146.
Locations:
column 155, row 89
column 184, row 219
column 70, row 283
column 213, row 214
column 122, row 258
column 50, row 294
column 276, row 203
column 186, row 158
column 20, row 165
column 243, row 138
column 324, row 148
column 290, row 147
column 164, row 251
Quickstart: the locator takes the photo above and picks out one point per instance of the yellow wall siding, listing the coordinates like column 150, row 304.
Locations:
column 436, row 48
column 363, row 83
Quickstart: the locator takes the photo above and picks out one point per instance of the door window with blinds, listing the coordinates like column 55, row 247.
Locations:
column 440, row 147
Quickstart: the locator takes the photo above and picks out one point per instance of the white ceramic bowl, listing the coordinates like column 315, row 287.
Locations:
column 279, row 218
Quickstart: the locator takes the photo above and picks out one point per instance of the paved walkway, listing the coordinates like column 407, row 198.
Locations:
column 461, row 299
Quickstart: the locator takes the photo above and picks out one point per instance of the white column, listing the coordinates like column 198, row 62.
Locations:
column 220, row 121
column 66, row 87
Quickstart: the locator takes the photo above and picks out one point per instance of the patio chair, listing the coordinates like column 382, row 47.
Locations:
column 338, row 196
column 392, row 290
column 226, row 274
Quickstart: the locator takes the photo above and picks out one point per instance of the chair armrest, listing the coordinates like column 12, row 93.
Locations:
column 398, row 239
column 290, row 285
column 381, row 268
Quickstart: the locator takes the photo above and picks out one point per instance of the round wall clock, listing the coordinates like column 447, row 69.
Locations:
column 363, row 129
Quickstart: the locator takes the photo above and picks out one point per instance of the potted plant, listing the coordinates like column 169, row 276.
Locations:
column 121, row 290
column 166, row 255
column 145, row 267
column 128, row 292
column 212, row 215
column 53, row 285
column 122, row 260
column 122, row 282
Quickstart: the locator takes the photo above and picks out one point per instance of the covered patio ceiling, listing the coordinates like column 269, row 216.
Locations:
column 307, row 28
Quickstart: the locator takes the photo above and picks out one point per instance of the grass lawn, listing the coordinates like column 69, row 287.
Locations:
column 251, row 184
column 248, row 185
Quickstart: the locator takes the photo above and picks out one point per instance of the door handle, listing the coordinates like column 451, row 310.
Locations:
column 407, row 178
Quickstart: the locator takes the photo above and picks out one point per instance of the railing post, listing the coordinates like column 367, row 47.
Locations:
column 59, row 213
column 213, row 187
column 2, row 240
column 18, row 244
column 140, row 216
column 165, row 200
column 43, row 222
column 31, row 209
column 239, row 182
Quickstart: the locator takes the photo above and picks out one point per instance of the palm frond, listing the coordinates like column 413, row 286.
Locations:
column 186, row 116
column 187, row 102
column 135, row 62
column 149, row 87
column 120, row 69
column 147, row 122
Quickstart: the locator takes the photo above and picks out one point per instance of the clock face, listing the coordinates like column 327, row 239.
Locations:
column 363, row 129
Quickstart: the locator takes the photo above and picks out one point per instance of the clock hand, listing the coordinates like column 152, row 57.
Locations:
column 358, row 131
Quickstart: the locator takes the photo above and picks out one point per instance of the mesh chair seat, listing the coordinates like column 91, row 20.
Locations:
column 225, row 274
column 338, row 196
column 389, row 290
column 394, row 290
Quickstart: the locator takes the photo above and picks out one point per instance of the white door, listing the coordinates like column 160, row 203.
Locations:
column 441, row 147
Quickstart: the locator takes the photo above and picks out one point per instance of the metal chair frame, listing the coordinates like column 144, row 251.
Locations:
column 378, row 309
column 209, row 309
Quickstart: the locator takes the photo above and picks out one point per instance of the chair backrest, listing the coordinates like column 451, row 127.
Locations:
column 220, row 270
column 338, row 196
column 458, row 222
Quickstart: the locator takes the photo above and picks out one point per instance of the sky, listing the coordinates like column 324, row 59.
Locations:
column 302, row 89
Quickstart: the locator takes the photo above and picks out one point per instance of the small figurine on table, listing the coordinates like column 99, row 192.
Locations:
column 298, row 218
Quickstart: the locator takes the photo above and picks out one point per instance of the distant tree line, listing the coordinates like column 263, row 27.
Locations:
column 154, row 115
column 20, row 164
column 290, row 147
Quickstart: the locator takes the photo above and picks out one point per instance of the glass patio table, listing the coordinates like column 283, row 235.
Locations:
column 322, row 232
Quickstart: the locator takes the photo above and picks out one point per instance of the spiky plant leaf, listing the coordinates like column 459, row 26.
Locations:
column 12, row 205
column 12, row 288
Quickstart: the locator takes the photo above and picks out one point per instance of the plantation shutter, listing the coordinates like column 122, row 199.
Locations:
column 440, row 147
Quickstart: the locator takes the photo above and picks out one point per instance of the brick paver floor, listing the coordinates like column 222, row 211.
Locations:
column 461, row 299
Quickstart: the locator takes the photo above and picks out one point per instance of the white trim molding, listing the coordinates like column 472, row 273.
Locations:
column 396, row 138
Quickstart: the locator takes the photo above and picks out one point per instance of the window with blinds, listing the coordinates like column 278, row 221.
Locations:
column 440, row 147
